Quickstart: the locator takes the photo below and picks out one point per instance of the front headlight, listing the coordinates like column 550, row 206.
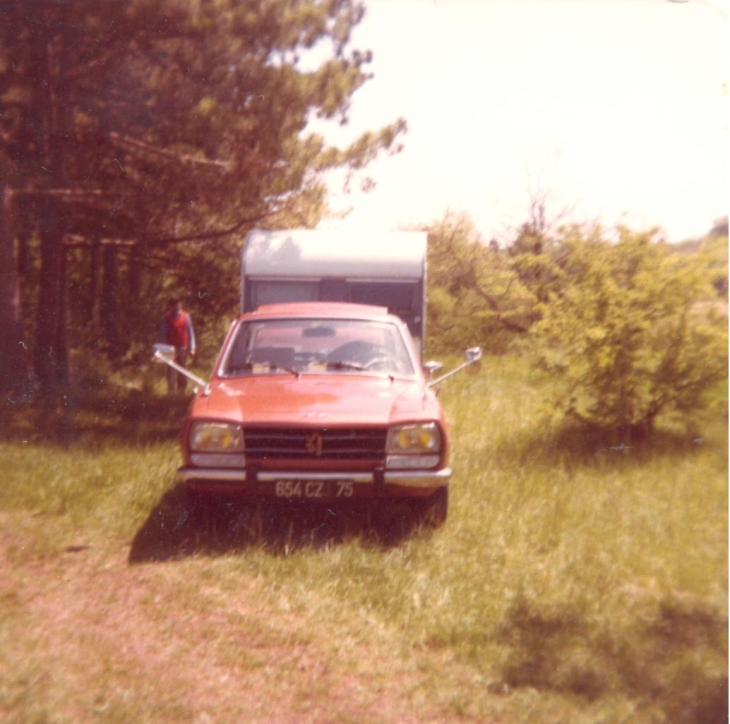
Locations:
column 414, row 446
column 216, row 437
column 416, row 438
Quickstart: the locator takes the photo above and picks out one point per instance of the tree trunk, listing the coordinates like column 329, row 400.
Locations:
column 15, row 379
column 22, row 235
column 52, row 118
column 134, row 273
column 95, row 288
column 51, row 351
column 109, row 311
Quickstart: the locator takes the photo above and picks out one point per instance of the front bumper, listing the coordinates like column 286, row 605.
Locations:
column 378, row 483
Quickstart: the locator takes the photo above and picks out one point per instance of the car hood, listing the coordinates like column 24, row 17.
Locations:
column 317, row 399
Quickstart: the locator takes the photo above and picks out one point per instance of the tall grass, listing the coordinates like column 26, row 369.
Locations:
column 593, row 574
column 575, row 580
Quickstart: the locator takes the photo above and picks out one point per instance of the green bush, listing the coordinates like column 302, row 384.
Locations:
column 475, row 294
column 633, row 330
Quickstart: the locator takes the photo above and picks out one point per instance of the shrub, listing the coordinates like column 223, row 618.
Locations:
column 633, row 330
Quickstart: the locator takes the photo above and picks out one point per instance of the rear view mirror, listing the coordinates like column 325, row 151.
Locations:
column 319, row 332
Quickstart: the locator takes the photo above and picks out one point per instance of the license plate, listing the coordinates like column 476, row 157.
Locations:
column 314, row 489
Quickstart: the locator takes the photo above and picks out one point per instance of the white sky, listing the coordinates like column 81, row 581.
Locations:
column 617, row 108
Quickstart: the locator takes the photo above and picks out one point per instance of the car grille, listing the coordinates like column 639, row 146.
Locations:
column 315, row 444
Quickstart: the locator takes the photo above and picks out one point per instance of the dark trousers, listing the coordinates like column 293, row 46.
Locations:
column 176, row 381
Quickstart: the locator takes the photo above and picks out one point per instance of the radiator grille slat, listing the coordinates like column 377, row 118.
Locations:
column 315, row 443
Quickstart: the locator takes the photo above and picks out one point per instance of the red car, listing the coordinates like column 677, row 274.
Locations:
column 323, row 402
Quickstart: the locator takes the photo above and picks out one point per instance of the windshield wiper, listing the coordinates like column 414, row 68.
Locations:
column 248, row 367
column 290, row 370
column 243, row 367
column 345, row 365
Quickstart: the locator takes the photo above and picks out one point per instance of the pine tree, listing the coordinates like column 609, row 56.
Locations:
column 155, row 128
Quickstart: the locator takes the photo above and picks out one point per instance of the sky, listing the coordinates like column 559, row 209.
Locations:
column 616, row 110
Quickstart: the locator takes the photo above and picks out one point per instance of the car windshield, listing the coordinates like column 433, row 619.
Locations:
column 332, row 346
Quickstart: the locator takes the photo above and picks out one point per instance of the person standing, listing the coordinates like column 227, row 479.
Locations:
column 177, row 331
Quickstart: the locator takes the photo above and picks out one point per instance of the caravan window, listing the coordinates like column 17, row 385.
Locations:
column 398, row 297
column 403, row 299
column 270, row 292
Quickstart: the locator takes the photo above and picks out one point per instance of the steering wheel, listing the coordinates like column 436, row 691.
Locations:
column 370, row 356
column 381, row 363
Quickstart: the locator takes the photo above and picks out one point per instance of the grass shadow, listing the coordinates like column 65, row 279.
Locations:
column 182, row 525
column 584, row 446
column 113, row 414
column 672, row 662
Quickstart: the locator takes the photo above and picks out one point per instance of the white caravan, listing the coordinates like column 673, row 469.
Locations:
column 387, row 269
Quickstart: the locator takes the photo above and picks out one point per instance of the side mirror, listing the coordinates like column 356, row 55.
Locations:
column 473, row 356
column 432, row 368
column 164, row 351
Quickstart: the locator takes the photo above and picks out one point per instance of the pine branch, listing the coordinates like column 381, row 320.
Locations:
column 125, row 142
column 78, row 240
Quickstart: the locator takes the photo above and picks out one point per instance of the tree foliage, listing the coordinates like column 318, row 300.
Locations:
column 139, row 140
column 635, row 330
column 631, row 329
column 475, row 294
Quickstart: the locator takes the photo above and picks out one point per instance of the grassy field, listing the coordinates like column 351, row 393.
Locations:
column 575, row 581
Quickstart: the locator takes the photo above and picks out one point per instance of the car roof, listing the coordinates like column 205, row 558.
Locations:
column 319, row 309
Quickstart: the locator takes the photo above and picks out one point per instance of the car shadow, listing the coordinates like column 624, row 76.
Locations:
column 182, row 525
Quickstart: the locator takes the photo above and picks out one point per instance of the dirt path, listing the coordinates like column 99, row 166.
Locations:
column 87, row 637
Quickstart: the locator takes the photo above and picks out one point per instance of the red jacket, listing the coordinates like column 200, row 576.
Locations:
column 178, row 330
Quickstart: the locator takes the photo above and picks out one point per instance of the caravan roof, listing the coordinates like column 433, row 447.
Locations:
column 320, row 253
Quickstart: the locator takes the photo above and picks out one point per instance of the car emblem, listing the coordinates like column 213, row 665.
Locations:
column 314, row 444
